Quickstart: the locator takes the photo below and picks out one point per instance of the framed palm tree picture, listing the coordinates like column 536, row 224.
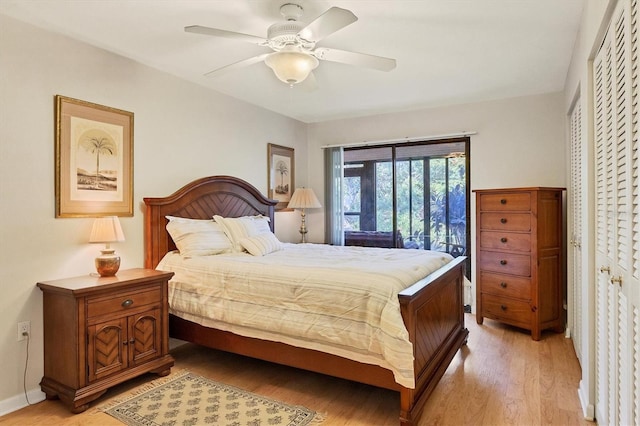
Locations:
column 94, row 159
column 281, row 169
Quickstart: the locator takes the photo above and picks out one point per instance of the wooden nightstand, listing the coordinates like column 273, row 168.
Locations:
column 101, row 331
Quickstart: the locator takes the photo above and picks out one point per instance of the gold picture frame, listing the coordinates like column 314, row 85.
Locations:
column 281, row 170
column 94, row 159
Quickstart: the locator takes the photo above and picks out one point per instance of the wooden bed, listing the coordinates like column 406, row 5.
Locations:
column 432, row 309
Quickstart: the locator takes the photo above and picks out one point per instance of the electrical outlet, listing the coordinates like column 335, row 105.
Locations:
column 24, row 328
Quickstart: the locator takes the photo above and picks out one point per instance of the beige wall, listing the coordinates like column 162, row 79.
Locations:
column 182, row 132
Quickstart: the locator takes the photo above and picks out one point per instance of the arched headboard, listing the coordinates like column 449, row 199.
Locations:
column 201, row 199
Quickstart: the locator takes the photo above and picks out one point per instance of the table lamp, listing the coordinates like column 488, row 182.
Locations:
column 107, row 230
column 304, row 198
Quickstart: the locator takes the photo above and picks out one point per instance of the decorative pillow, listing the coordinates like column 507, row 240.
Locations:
column 238, row 228
column 194, row 237
column 262, row 224
column 261, row 244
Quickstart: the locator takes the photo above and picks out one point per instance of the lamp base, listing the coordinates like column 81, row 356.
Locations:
column 303, row 227
column 108, row 263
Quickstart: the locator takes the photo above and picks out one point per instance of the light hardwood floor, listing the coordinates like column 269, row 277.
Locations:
column 501, row 377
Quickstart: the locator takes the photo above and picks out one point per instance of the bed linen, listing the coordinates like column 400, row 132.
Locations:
column 339, row 300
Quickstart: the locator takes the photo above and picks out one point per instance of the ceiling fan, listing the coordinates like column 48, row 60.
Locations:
column 293, row 43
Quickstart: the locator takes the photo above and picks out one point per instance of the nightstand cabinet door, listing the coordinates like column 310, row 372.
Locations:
column 106, row 351
column 144, row 337
column 101, row 331
column 519, row 276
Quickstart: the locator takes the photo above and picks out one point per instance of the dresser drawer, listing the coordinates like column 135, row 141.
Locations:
column 505, row 263
column 506, row 221
column 505, row 285
column 508, row 241
column 507, row 310
column 506, row 201
column 123, row 301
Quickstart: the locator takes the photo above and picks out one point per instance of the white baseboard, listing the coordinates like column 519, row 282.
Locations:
column 588, row 410
column 19, row 401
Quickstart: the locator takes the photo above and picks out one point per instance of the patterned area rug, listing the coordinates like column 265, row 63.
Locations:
column 189, row 399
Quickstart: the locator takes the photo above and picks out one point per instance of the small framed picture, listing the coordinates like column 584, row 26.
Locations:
column 281, row 169
column 94, row 159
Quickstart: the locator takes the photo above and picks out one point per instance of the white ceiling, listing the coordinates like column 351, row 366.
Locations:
column 447, row 51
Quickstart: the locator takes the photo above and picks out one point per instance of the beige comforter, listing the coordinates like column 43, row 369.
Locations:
column 340, row 300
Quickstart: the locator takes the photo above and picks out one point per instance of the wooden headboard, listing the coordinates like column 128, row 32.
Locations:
column 201, row 199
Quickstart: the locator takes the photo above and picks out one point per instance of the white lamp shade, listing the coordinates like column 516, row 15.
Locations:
column 290, row 65
column 106, row 230
column 304, row 198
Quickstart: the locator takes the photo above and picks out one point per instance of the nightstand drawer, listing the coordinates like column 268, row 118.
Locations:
column 506, row 202
column 505, row 263
column 506, row 285
column 123, row 301
column 508, row 241
column 506, row 221
column 507, row 310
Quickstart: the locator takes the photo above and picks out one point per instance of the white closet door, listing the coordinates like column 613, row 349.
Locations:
column 631, row 289
column 616, row 118
column 575, row 213
column 602, row 104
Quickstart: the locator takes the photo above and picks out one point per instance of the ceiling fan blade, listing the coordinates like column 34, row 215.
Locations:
column 353, row 58
column 198, row 29
column 237, row 65
column 329, row 22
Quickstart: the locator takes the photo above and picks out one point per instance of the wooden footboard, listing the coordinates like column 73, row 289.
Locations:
column 433, row 313
column 432, row 309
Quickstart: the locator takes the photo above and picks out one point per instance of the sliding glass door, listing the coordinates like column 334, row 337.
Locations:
column 411, row 195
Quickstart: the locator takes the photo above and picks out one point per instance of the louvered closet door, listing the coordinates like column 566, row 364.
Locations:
column 575, row 213
column 616, row 118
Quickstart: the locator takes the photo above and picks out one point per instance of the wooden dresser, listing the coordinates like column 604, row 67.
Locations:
column 101, row 331
column 520, row 276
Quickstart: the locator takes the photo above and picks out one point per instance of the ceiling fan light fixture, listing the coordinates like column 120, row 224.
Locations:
column 290, row 65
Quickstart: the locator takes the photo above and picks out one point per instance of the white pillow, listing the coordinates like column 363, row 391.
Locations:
column 261, row 244
column 238, row 228
column 194, row 237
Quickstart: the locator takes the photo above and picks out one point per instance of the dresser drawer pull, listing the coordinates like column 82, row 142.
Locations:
column 127, row 303
column 503, row 262
column 503, row 284
column 503, row 201
column 503, row 239
column 503, row 307
column 503, row 220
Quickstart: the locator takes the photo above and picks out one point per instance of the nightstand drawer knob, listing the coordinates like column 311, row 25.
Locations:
column 503, row 239
column 503, row 262
column 503, row 284
column 503, row 201
column 503, row 307
column 503, row 220
column 127, row 303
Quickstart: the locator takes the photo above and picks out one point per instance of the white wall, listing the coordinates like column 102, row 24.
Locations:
column 182, row 132
column 520, row 143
